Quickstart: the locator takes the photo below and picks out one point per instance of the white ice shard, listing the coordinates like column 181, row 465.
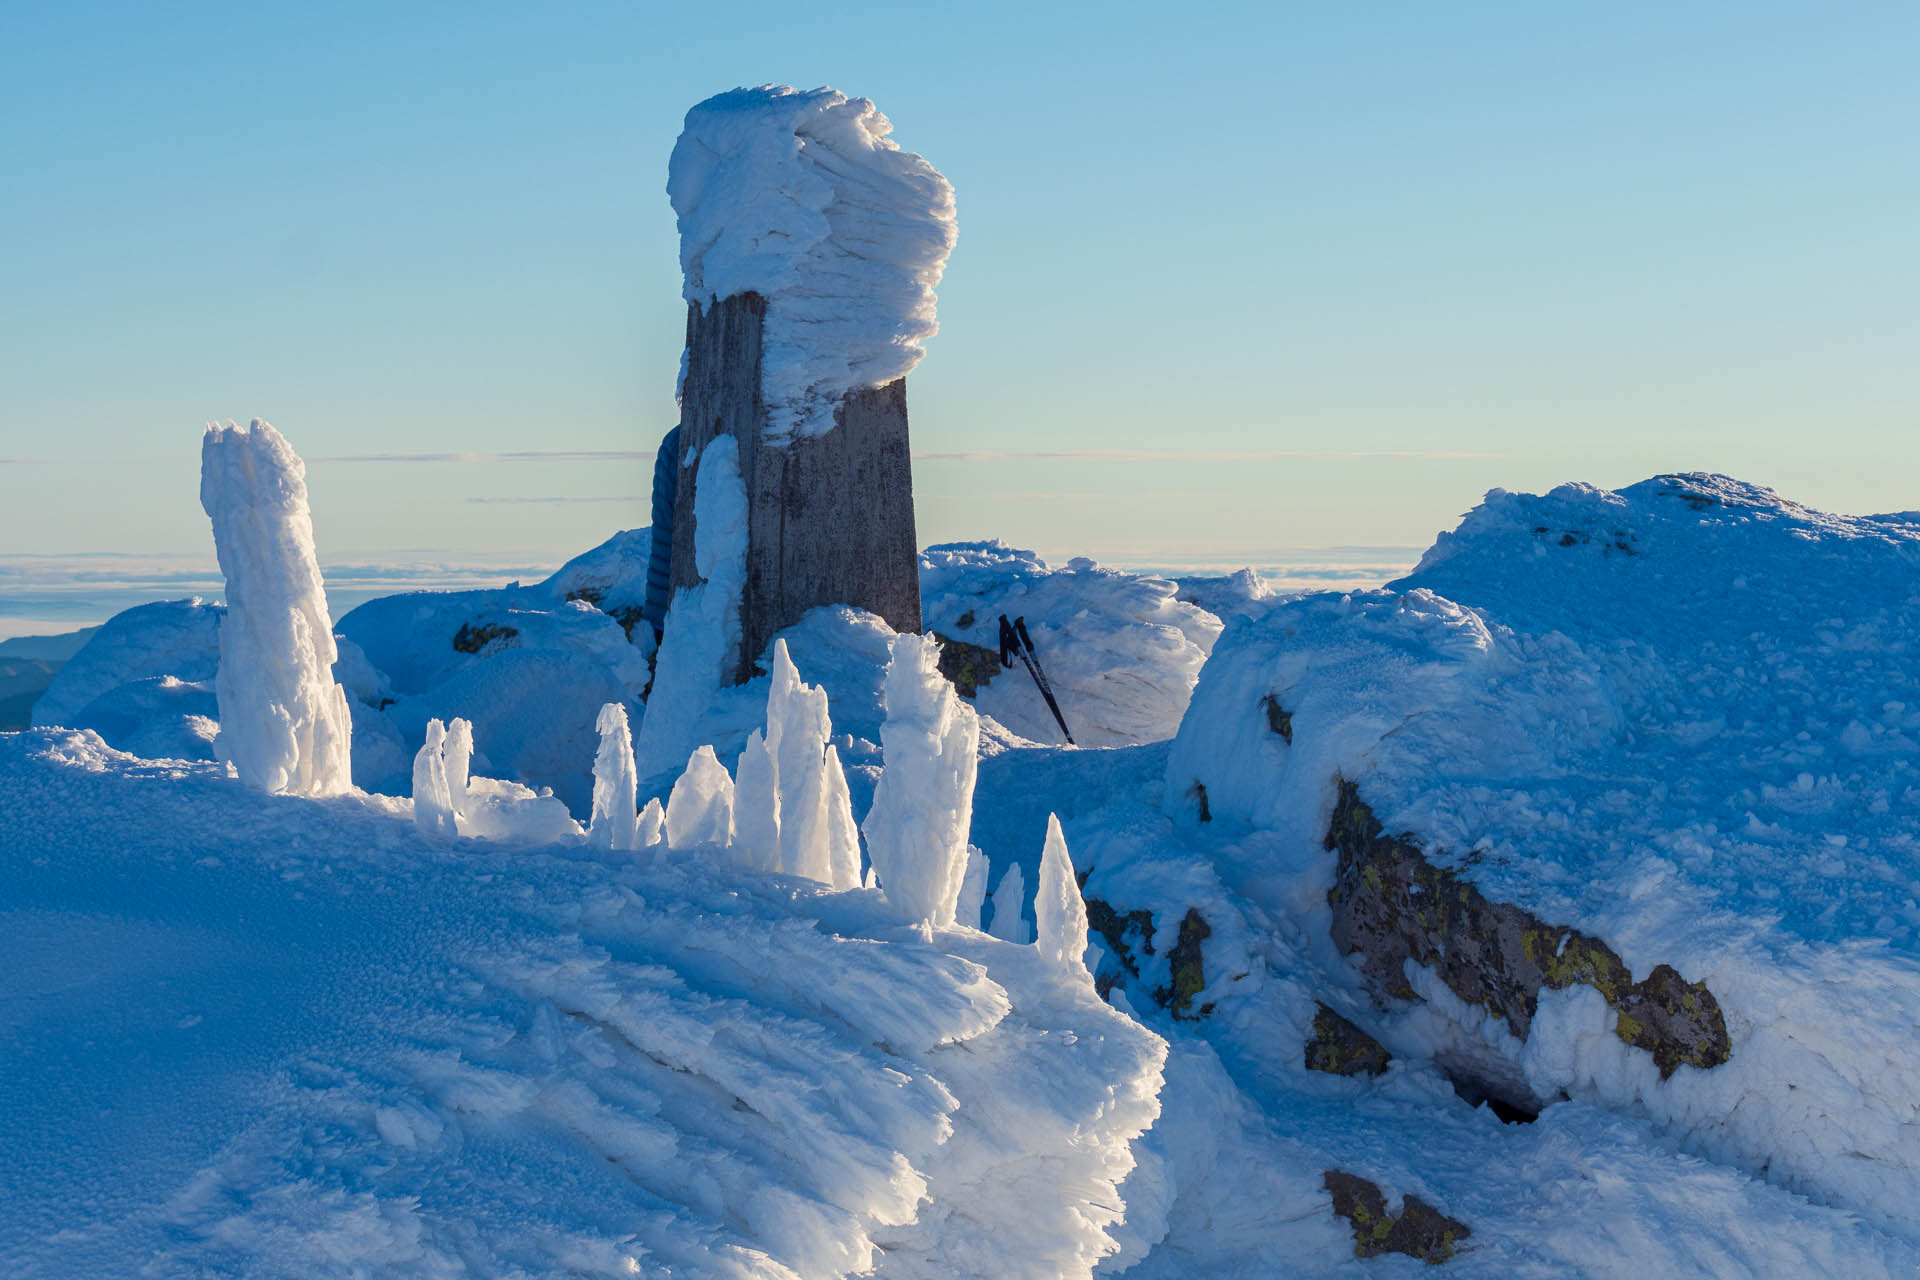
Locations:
column 756, row 806
column 284, row 723
column 973, row 890
column 652, row 826
column 1008, row 898
column 923, row 804
column 702, row 638
column 459, row 761
column 1059, row 912
column 615, row 822
column 700, row 808
column 432, row 798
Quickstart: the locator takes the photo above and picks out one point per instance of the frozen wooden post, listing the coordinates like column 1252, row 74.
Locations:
column 830, row 516
column 811, row 246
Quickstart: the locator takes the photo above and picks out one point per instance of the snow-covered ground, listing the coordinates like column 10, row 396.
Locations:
column 276, row 1035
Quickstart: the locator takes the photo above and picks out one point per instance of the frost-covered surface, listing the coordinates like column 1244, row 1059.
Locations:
column 284, row 724
column 1121, row 650
column 802, row 198
column 1229, row 1179
column 272, row 1036
column 1681, row 718
column 701, row 644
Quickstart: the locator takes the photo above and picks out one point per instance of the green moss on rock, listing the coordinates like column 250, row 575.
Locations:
column 1186, row 968
column 1390, row 904
column 969, row 666
column 1419, row 1230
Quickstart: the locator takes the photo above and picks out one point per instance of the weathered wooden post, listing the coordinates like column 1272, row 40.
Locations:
column 811, row 246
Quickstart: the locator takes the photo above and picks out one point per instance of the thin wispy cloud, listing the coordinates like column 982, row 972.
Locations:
column 1185, row 455
column 518, row 455
column 569, row 499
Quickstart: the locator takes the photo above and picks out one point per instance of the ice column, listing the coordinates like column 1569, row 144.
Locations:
column 1008, row 899
column 284, row 724
column 700, row 807
column 1059, row 912
column 432, row 796
column 923, row 805
column 615, row 822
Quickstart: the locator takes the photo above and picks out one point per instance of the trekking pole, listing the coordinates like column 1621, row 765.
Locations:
column 1015, row 640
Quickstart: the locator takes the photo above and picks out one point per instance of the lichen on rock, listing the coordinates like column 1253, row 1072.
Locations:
column 1339, row 1048
column 1390, row 905
column 1419, row 1230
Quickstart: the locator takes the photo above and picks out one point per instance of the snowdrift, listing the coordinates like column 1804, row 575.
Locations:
column 1611, row 799
column 296, row 1037
column 1121, row 650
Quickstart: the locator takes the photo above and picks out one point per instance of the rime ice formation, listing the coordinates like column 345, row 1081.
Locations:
column 802, row 198
column 652, row 826
column 973, row 890
column 700, row 807
column 1008, row 899
column 702, row 638
column 791, row 809
column 284, row 724
column 458, row 754
column 432, row 796
column 1678, row 720
column 615, row 824
column 1059, row 912
column 923, row 804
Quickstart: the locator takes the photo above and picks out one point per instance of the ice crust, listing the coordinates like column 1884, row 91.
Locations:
column 284, row 724
column 800, row 197
column 1680, row 718
column 702, row 639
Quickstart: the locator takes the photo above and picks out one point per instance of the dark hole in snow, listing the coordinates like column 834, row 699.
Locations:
column 1506, row 1112
column 1279, row 719
column 1200, row 798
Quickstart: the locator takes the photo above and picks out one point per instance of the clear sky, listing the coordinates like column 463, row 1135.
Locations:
column 1231, row 279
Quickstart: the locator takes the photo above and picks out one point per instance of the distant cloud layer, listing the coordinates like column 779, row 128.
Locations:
column 1184, row 455
column 521, row 455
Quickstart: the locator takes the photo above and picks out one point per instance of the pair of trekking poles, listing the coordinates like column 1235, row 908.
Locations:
column 1015, row 642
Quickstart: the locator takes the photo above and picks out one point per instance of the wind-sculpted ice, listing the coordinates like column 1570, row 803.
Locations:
column 700, row 807
column 702, row 638
column 1008, row 899
column 284, row 724
column 802, row 198
column 1059, row 912
column 792, row 810
column 432, row 795
column 615, row 824
column 923, row 804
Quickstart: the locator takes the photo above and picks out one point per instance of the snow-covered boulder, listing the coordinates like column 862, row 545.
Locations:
column 1121, row 650
column 178, row 638
column 1611, row 799
column 612, row 577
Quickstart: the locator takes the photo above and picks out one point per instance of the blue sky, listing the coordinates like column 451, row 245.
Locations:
column 1253, row 277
